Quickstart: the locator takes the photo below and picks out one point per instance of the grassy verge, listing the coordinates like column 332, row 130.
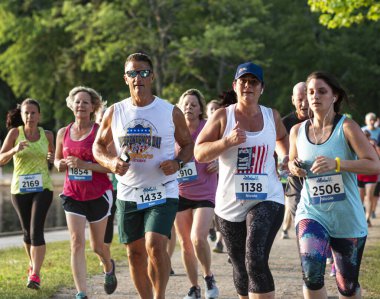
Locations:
column 55, row 274
column 370, row 270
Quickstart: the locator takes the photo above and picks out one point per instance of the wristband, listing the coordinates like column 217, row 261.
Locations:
column 337, row 169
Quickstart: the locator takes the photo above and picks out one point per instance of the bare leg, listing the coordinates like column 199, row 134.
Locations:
column 97, row 231
column 37, row 254
column 172, row 242
column 76, row 225
column 138, row 264
column 183, row 224
column 158, row 262
column 269, row 295
column 319, row 294
column 201, row 220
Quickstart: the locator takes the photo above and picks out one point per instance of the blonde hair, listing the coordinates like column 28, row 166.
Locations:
column 199, row 96
column 96, row 98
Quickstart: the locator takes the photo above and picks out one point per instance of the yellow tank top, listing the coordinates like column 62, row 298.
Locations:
column 31, row 161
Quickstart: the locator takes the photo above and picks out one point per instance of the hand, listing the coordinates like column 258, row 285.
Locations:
column 119, row 167
column 323, row 164
column 50, row 157
column 20, row 146
column 169, row 167
column 213, row 166
column 295, row 170
column 61, row 165
column 237, row 136
column 75, row 162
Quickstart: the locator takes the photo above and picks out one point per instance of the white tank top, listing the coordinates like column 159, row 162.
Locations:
column 253, row 156
column 148, row 133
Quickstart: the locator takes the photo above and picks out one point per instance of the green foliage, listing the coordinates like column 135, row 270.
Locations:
column 345, row 13
column 48, row 47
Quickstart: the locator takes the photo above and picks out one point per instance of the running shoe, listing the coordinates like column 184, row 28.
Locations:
column 34, row 282
column 373, row 215
column 218, row 248
column 333, row 271
column 171, row 272
column 284, row 234
column 110, row 281
column 81, row 295
column 212, row 290
column 194, row 293
column 212, row 234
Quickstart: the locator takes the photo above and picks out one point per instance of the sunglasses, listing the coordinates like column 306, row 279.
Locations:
column 142, row 73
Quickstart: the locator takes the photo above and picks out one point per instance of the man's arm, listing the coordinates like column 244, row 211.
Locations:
column 183, row 139
column 104, row 138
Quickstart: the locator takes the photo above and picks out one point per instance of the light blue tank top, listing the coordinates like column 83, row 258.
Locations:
column 344, row 218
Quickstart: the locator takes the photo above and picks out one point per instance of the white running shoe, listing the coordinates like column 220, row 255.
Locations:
column 212, row 290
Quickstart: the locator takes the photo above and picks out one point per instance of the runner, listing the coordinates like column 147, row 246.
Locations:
column 327, row 150
column 197, row 186
column 31, row 147
column 87, row 191
column 249, row 198
column 144, row 129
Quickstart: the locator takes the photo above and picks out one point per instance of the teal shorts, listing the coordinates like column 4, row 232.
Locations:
column 134, row 223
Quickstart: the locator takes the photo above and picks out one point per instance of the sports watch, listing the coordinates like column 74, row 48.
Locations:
column 180, row 163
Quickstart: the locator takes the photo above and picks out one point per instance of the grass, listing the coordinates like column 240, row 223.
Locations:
column 55, row 274
column 370, row 270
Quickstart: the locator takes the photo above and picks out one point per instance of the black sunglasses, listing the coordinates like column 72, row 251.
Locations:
column 142, row 73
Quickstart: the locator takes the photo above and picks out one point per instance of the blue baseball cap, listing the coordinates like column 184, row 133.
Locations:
column 249, row 68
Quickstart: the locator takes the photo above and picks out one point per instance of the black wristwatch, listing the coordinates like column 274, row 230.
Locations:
column 180, row 163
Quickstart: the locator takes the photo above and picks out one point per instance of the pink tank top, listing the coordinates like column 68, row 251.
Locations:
column 83, row 190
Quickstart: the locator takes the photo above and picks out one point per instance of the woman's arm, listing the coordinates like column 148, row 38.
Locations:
column 209, row 144
column 59, row 161
column 8, row 150
column 367, row 162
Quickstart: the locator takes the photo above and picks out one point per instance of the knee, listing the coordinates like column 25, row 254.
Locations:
column 257, row 265
column 198, row 242
column 77, row 244
column 314, row 283
column 349, row 290
column 98, row 249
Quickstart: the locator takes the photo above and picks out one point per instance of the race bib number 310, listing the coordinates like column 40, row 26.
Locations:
column 327, row 188
column 31, row 183
column 251, row 186
column 150, row 196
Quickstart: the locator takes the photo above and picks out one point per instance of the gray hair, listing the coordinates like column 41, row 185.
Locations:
column 96, row 98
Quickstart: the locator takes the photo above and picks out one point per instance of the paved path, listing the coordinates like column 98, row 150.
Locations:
column 284, row 263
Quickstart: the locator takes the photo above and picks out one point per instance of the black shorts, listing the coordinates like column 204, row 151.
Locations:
column 184, row 204
column 362, row 184
column 93, row 210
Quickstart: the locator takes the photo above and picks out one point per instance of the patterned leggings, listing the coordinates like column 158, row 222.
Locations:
column 248, row 245
column 314, row 243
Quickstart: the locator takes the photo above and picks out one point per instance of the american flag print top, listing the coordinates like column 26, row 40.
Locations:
column 252, row 159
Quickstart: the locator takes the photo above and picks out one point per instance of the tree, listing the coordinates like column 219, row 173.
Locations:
column 344, row 13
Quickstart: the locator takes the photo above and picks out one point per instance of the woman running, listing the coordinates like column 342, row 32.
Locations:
column 87, row 191
column 249, row 198
column 31, row 148
column 327, row 150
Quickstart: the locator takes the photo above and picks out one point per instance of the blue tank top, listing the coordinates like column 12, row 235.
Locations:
column 341, row 214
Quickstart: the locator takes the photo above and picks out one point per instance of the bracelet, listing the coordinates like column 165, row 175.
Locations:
column 337, row 169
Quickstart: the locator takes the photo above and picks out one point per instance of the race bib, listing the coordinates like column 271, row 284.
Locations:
column 251, row 186
column 77, row 174
column 188, row 173
column 326, row 188
column 150, row 196
column 31, row 183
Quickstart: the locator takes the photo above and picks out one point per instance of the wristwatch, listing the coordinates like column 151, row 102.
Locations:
column 180, row 163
